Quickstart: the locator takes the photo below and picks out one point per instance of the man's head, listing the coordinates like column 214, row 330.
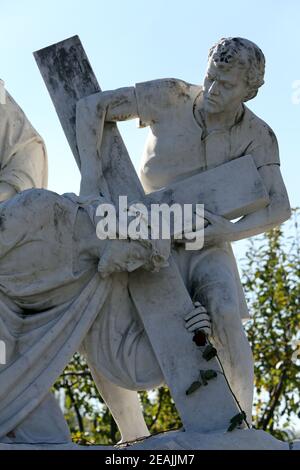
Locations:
column 234, row 73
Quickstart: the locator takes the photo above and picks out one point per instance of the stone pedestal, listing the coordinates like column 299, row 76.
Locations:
column 246, row 439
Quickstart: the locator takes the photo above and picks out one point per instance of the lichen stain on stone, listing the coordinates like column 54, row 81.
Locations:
column 59, row 215
column 2, row 222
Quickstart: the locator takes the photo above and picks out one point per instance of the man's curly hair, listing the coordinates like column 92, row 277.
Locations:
column 231, row 51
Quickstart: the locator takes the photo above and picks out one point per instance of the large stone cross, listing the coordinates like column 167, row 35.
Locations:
column 159, row 297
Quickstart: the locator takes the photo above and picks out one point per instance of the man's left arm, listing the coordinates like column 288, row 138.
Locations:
column 277, row 212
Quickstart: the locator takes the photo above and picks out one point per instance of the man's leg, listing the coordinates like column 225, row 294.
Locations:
column 214, row 285
column 125, row 407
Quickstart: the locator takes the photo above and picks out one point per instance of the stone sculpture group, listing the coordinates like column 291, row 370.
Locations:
column 63, row 290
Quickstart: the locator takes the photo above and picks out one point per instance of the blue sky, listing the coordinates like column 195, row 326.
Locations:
column 129, row 41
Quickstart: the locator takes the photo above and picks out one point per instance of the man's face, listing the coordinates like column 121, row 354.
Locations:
column 224, row 88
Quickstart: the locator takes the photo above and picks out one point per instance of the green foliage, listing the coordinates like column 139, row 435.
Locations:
column 88, row 417
column 159, row 410
column 271, row 278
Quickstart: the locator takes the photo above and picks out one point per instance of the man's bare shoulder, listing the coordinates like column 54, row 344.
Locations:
column 173, row 87
column 158, row 99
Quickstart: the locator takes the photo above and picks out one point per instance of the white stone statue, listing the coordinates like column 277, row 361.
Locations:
column 59, row 301
column 50, row 301
column 192, row 129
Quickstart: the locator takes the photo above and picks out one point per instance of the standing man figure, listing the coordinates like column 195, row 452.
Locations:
column 192, row 129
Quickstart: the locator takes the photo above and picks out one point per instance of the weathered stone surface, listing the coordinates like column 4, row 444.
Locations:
column 163, row 295
column 232, row 190
column 23, row 156
column 178, row 440
column 202, row 131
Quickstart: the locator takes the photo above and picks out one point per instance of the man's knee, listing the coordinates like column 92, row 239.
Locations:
column 228, row 315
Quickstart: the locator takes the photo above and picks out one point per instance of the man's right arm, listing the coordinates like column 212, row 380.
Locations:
column 91, row 114
column 146, row 101
column 118, row 105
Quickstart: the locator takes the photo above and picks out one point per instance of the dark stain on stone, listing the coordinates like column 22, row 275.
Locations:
column 59, row 216
column 72, row 121
column 272, row 135
column 2, row 222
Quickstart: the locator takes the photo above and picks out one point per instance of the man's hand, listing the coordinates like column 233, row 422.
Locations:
column 218, row 229
column 129, row 255
column 121, row 256
column 198, row 319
